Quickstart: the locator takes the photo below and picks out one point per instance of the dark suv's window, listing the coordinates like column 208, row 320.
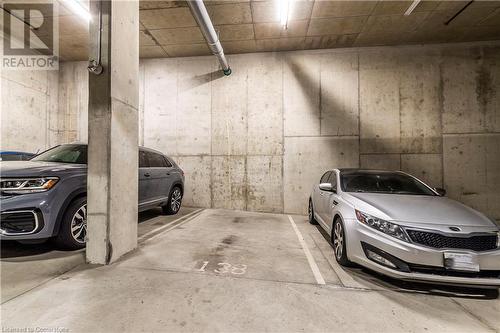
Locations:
column 156, row 160
column 143, row 160
column 167, row 162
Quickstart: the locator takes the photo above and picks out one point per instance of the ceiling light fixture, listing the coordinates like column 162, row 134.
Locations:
column 412, row 7
column 78, row 8
column 284, row 9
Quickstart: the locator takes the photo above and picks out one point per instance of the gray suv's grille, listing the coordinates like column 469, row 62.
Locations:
column 19, row 222
column 438, row 241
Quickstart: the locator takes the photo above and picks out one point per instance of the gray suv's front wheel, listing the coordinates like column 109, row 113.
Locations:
column 73, row 230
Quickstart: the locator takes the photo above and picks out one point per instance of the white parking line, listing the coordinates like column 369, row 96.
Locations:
column 310, row 258
column 187, row 216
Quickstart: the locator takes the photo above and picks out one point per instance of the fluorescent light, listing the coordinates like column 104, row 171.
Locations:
column 412, row 7
column 78, row 8
column 284, row 9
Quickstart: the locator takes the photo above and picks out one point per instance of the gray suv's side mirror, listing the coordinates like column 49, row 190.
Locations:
column 327, row 187
column 440, row 191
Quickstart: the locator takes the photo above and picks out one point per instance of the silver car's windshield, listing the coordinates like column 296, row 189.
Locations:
column 383, row 182
column 64, row 154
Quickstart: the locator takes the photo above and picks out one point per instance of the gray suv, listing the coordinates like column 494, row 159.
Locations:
column 46, row 197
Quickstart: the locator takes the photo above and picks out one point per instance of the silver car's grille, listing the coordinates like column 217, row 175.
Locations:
column 438, row 241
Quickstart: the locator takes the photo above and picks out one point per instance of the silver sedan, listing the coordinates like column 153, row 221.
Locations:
column 396, row 225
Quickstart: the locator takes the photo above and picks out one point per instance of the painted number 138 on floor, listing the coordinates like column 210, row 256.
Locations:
column 225, row 268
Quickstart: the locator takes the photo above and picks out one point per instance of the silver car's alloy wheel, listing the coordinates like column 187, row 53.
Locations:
column 175, row 201
column 79, row 224
column 310, row 210
column 338, row 240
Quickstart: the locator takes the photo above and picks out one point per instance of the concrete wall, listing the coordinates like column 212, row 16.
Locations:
column 28, row 117
column 40, row 109
column 258, row 139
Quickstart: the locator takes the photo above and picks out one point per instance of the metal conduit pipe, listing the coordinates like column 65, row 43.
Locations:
column 207, row 28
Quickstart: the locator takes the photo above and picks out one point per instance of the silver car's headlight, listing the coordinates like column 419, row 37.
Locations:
column 27, row 185
column 384, row 226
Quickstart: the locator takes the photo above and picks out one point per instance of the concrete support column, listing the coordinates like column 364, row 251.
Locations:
column 113, row 132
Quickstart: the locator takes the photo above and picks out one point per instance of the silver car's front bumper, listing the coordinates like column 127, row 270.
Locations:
column 414, row 254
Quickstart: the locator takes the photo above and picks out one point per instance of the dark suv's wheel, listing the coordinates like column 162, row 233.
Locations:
column 174, row 201
column 310, row 213
column 339, row 243
column 73, row 230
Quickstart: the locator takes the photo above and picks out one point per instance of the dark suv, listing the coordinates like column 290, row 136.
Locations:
column 46, row 197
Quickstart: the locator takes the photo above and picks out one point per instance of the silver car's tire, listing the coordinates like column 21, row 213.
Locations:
column 174, row 201
column 310, row 213
column 339, row 242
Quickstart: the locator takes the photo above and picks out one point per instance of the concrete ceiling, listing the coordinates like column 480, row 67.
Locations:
column 167, row 28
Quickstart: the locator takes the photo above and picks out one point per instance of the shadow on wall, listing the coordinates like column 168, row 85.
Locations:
column 382, row 145
column 319, row 153
column 198, row 80
column 305, row 78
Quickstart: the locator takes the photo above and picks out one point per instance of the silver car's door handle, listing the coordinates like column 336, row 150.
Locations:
column 335, row 203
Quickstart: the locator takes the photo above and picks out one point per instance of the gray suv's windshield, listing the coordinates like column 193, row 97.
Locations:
column 384, row 182
column 64, row 154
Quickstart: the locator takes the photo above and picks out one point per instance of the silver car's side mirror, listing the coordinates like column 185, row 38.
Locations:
column 327, row 187
column 440, row 191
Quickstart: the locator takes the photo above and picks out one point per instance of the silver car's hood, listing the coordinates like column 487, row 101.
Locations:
column 419, row 209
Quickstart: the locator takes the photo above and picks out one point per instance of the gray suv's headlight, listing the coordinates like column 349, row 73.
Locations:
column 27, row 185
column 384, row 226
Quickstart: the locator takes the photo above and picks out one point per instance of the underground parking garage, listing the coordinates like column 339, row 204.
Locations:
column 250, row 166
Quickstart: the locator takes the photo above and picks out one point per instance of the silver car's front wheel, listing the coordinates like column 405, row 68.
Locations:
column 339, row 242
column 79, row 224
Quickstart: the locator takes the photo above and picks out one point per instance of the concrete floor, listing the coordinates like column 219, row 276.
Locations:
column 221, row 270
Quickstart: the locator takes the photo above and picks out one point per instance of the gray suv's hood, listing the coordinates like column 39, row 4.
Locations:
column 418, row 209
column 34, row 169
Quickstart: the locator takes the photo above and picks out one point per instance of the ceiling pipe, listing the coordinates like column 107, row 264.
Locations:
column 207, row 28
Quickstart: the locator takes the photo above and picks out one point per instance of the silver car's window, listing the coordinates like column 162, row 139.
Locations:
column 64, row 154
column 333, row 180
column 384, row 182
column 324, row 178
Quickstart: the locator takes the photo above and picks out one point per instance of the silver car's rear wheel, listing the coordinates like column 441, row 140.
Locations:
column 310, row 213
column 79, row 224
